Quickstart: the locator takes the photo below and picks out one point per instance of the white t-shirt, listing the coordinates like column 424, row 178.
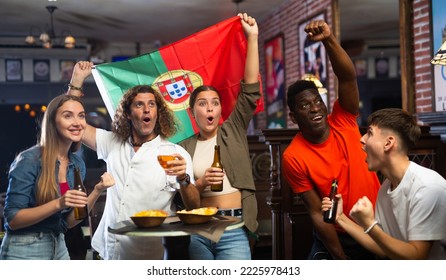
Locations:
column 138, row 182
column 416, row 208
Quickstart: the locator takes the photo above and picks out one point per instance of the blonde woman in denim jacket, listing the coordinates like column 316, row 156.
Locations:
column 40, row 195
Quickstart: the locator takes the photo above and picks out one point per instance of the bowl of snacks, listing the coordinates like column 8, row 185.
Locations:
column 197, row 216
column 149, row 218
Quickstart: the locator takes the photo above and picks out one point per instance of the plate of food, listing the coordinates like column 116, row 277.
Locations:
column 197, row 216
column 149, row 218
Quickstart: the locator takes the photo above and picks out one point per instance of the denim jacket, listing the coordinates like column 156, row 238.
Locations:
column 21, row 194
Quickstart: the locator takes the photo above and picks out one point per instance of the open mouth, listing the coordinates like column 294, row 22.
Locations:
column 75, row 131
column 210, row 119
column 146, row 120
column 317, row 119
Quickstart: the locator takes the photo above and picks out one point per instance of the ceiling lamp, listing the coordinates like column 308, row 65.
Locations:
column 48, row 38
column 315, row 80
column 320, row 87
column 440, row 56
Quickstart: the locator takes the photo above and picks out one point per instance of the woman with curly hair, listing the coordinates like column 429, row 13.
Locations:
column 141, row 124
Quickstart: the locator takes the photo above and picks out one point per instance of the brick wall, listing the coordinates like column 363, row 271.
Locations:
column 422, row 56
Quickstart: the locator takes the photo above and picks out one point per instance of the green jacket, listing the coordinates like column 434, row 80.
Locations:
column 234, row 150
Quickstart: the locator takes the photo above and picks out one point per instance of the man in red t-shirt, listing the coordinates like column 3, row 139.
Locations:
column 327, row 148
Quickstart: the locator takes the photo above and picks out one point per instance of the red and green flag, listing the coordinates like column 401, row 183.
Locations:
column 214, row 56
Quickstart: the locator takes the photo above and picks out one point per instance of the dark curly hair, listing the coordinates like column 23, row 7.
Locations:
column 296, row 88
column 122, row 126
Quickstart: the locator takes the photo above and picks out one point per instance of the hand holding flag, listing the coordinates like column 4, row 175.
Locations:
column 215, row 56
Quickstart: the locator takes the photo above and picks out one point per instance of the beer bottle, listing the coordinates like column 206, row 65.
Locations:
column 330, row 214
column 217, row 163
column 80, row 213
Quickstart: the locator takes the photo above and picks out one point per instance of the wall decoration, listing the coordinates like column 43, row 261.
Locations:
column 382, row 67
column 66, row 69
column 13, row 70
column 313, row 58
column 361, row 68
column 275, row 82
column 41, row 70
column 438, row 37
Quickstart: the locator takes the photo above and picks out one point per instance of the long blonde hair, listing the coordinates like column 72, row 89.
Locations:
column 47, row 187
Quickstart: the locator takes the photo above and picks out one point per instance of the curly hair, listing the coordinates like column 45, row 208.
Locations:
column 296, row 88
column 122, row 126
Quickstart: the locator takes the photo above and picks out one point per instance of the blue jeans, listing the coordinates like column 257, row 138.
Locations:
column 233, row 245
column 352, row 249
column 34, row 246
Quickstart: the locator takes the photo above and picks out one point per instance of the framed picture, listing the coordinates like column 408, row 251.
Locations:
column 313, row 58
column 275, row 82
column 382, row 67
column 439, row 71
column 41, row 70
column 66, row 69
column 361, row 68
column 13, row 70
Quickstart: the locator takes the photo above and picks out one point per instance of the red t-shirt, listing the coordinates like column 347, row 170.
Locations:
column 306, row 165
column 64, row 187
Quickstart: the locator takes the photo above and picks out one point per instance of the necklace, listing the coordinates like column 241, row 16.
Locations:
column 137, row 144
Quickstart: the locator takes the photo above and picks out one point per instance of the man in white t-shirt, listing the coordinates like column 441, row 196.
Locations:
column 409, row 221
column 142, row 122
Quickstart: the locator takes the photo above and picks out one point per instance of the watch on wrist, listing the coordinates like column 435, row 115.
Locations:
column 185, row 181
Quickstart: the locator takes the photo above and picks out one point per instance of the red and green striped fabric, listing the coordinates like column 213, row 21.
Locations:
column 214, row 56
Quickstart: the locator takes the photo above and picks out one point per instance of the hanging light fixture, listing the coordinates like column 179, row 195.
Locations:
column 440, row 56
column 320, row 87
column 30, row 39
column 48, row 37
column 69, row 42
column 315, row 80
column 237, row 2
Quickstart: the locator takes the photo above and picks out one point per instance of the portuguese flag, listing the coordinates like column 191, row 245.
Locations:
column 214, row 56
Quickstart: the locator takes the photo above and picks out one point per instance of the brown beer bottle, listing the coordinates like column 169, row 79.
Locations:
column 217, row 163
column 79, row 213
column 330, row 214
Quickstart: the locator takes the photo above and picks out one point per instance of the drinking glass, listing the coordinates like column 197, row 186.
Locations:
column 165, row 154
